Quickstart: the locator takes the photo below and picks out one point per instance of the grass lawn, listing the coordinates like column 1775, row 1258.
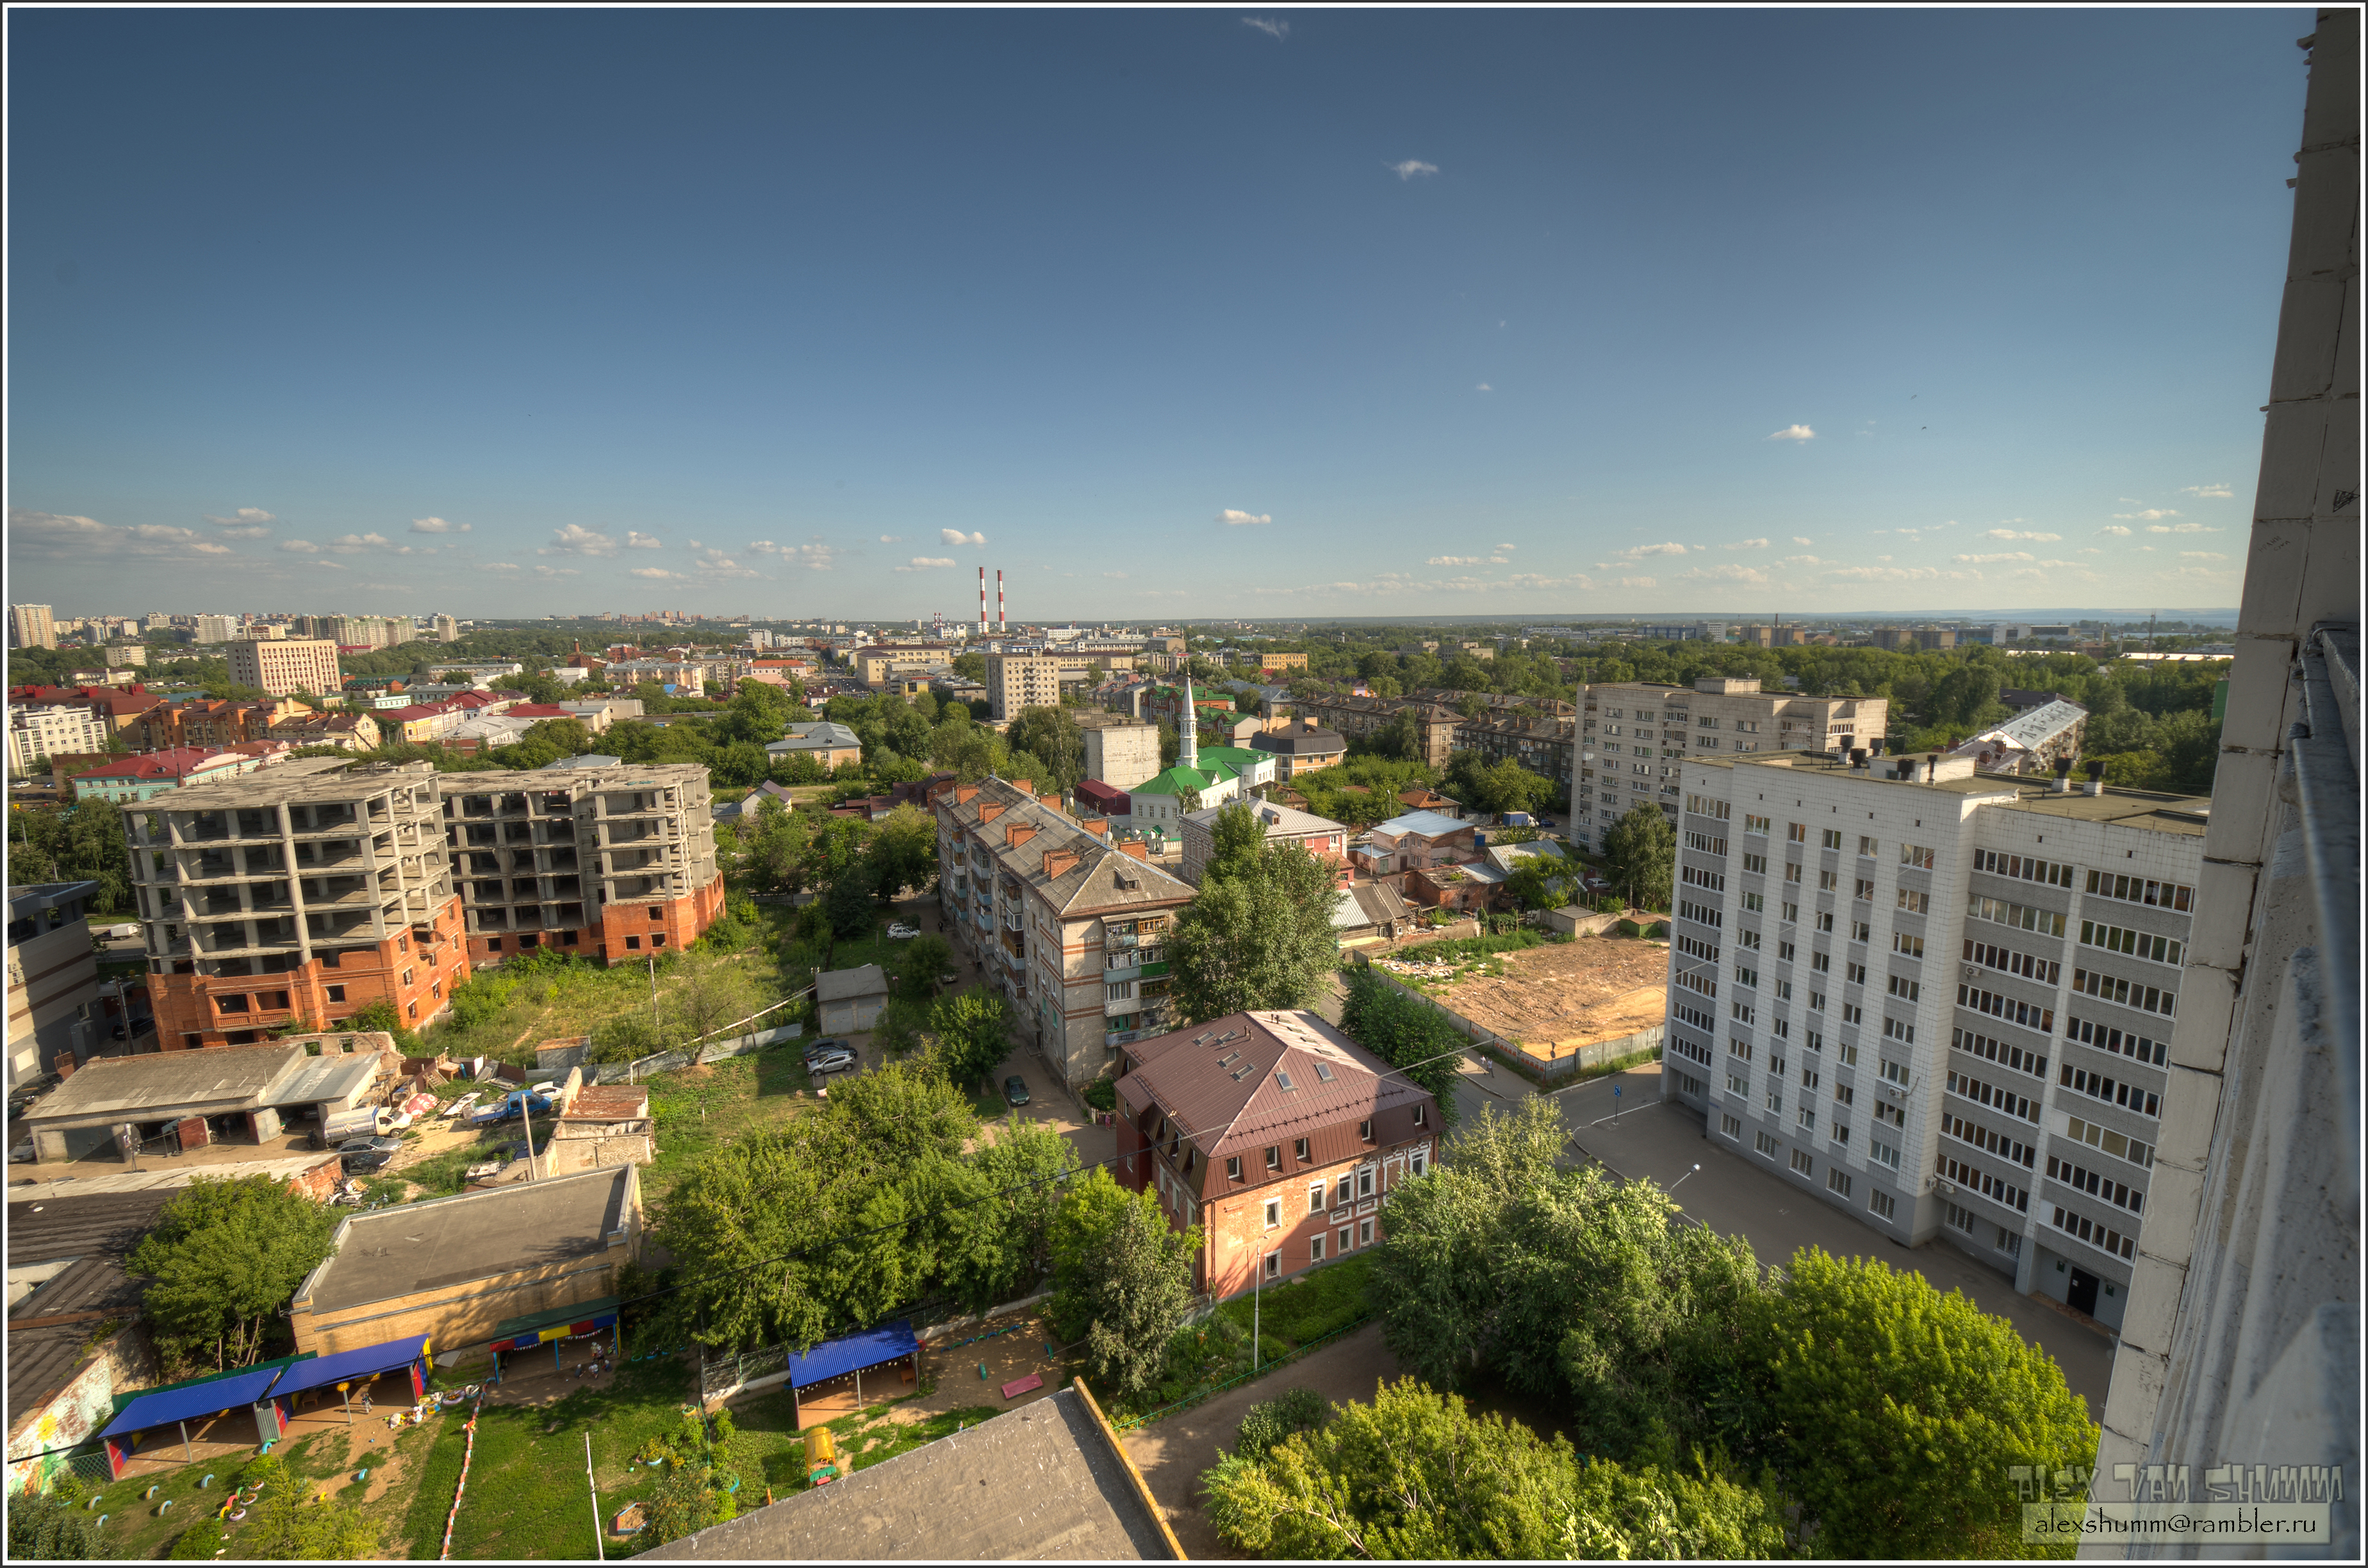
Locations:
column 136, row 1529
column 1293, row 1315
column 702, row 1109
column 527, row 1496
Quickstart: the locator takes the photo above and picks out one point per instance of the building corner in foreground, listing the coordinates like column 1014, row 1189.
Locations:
column 2237, row 1375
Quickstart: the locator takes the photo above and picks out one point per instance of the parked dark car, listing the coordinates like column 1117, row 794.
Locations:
column 367, row 1153
column 1014, row 1089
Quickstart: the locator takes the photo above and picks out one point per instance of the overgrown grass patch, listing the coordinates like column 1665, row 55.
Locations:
column 1321, row 1302
column 701, row 1108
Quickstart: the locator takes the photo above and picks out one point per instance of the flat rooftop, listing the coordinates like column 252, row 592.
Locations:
column 140, row 1087
column 478, row 1235
column 2129, row 808
column 299, row 781
column 1037, row 1484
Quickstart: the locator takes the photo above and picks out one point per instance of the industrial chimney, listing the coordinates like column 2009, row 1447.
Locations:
column 1002, row 621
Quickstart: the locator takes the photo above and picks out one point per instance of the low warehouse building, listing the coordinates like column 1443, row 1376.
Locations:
column 241, row 1094
column 461, row 1270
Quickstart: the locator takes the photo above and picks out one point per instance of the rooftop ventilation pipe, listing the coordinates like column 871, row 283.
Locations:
column 2096, row 777
column 1858, row 757
column 2062, row 776
column 1934, row 776
column 1843, row 749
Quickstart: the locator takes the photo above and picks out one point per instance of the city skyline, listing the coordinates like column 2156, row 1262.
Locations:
column 1365, row 316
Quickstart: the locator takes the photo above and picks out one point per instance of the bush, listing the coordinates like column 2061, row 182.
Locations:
column 1291, row 1412
column 1102, row 1094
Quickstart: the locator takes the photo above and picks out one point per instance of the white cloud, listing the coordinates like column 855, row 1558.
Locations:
column 923, row 562
column 1636, row 550
column 2208, row 491
column 437, row 525
column 2200, row 555
column 1483, row 387
column 637, row 540
column 1798, row 540
column 656, row 574
column 1276, row 30
column 2181, row 527
column 62, row 536
column 256, row 532
column 1456, row 560
column 892, row 539
column 1727, row 571
column 2089, row 550
column 1746, row 544
column 713, row 564
column 2115, row 530
column 1234, row 520
column 2014, row 533
column 246, row 516
column 578, row 540
column 1890, row 575
column 1506, row 547
column 2129, row 500
column 813, row 557
column 354, row 544
column 500, row 567
column 299, row 546
column 1412, row 167
column 1120, row 576
column 1640, row 583
column 1802, row 560
column 189, row 539
column 2209, row 573
column 557, row 572
column 2148, row 516
column 955, row 536
column 1793, row 433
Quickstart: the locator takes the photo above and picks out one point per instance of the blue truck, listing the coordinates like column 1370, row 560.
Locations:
column 510, row 1107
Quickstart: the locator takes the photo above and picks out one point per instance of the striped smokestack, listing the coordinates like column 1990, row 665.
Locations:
column 981, row 601
column 1002, row 621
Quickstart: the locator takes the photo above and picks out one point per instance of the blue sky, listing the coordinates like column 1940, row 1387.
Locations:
column 1262, row 313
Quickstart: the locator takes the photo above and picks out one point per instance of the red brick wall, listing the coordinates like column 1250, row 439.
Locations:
column 681, row 921
column 185, row 1003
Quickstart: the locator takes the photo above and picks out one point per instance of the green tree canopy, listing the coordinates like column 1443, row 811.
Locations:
column 1258, row 938
column 224, row 1256
column 1416, row 1475
column 1403, row 1031
column 1132, row 1284
column 1642, row 849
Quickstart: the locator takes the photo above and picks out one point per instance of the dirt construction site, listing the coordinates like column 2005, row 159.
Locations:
column 1566, row 994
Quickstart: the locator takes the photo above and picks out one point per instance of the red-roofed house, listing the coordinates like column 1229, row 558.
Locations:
column 421, row 722
column 132, row 778
column 118, row 710
column 1275, row 1134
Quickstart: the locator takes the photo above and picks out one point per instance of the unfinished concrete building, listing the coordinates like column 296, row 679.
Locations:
column 609, row 861
column 310, row 890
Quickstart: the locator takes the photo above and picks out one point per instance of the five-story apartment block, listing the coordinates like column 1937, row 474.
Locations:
column 614, row 862
column 1072, row 928
column 305, row 892
column 1634, row 736
column 1938, row 999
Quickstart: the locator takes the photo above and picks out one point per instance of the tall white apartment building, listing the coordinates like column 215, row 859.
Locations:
column 32, row 626
column 61, row 729
column 217, row 627
column 1942, row 1004
column 1634, row 736
column 447, row 629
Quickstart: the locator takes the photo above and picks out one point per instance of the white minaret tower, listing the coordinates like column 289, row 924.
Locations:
column 1187, row 729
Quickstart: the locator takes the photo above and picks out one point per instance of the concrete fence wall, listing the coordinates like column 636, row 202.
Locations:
column 672, row 1060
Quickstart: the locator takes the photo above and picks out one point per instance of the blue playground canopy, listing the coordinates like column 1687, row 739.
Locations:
column 853, row 1353
column 350, row 1366
column 169, row 1405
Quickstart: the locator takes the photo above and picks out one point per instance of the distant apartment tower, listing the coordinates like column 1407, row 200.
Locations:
column 1634, row 734
column 307, row 891
column 616, row 862
column 213, row 628
column 1943, row 1005
column 447, row 629
column 32, row 626
column 279, row 666
column 1017, row 681
column 58, row 729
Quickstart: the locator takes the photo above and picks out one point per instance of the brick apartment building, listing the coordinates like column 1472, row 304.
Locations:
column 614, row 861
column 307, row 891
column 1356, row 716
column 1071, row 928
column 279, row 665
column 1542, row 744
column 1276, row 1134
column 1634, row 736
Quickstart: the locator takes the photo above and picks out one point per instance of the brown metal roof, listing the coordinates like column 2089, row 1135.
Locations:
column 608, row 1102
column 1220, row 1086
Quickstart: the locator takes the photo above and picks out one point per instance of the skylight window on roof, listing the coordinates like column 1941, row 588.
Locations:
column 1229, row 1059
column 1283, row 1080
column 1324, row 1071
